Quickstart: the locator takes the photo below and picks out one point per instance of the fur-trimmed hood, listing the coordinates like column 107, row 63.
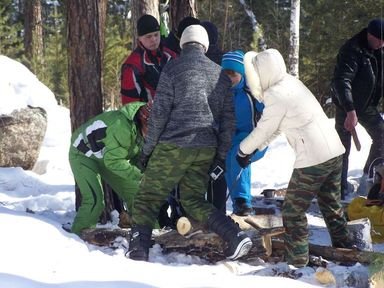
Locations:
column 263, row 70
column 290, row 108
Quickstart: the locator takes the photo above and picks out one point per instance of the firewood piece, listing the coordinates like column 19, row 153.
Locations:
column 102, row 236
column 266, row 237
column 324, row 276
column 240, row 221
column 334, row 254
column 342, row 254
column 264, row 221
column 183, row 225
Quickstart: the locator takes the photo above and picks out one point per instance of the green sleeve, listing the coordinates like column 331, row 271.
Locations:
column 120, row 148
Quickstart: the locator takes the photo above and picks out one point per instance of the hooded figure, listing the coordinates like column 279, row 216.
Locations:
column 290, row 108
column 247, row 112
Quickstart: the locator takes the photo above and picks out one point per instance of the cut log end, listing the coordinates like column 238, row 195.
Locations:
column 183, row 226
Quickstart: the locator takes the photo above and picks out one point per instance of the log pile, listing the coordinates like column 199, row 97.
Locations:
column 264, row 230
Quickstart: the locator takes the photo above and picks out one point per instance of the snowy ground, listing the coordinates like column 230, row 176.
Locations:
column 36, row 252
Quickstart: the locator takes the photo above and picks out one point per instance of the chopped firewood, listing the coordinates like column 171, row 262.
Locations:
column 334, row 254
column 102, row 236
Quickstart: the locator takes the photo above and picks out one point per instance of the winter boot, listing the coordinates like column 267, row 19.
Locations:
column 241, row 208
column 139, row 243
column 238, row 243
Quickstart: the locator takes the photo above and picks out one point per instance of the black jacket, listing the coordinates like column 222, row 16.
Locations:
column 358, row 77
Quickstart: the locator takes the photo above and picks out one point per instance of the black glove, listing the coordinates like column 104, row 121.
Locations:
column 217, row 169
column 243, row 159
column 142, row 161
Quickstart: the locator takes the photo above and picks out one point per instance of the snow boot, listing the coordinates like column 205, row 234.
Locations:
column 241, row 208
column 139, row 243
column 238, row 243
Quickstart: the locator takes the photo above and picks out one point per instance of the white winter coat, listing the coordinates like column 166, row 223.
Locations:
column 290, row 108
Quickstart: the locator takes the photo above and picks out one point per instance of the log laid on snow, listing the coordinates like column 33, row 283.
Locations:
column 102, row 236
column 335, row 254
column 206, row 244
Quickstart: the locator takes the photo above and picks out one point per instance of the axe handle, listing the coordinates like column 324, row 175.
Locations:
column 356, row 139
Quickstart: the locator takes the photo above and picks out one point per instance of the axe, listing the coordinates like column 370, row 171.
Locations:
column 356, row 139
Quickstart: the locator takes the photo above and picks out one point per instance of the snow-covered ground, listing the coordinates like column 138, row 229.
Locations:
column 36, row 252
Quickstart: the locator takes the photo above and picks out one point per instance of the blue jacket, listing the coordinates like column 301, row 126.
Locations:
column 247, row 111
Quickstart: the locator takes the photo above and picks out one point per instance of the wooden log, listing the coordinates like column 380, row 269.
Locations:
column 258, row 221
column 102, row 236
column 334, row 254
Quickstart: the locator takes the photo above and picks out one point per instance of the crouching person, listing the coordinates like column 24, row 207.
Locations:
column 290, row 108
column 106, row 147
column 189, row 132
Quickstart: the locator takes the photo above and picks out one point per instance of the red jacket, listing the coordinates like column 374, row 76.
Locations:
column 140, row 73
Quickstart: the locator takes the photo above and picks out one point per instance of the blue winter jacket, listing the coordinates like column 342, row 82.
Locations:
column 247, row 112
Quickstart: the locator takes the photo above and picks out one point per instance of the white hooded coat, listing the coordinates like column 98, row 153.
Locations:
column 290, row 108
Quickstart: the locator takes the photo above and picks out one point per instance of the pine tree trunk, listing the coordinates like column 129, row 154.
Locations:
column 85, row 46
column 33, row 34
column 179, row 9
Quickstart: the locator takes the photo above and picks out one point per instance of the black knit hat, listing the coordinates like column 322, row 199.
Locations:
column 376, row 28
column 147, row 24
column 185, row 22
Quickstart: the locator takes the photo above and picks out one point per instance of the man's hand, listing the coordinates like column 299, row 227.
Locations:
column 350, row 121
column 243, row 159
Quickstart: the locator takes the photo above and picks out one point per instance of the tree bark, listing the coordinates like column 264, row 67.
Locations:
column 85, row 55
column 180, row 9
column 85, row 47
column 33, row 34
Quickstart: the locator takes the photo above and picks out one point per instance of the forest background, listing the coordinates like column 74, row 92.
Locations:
column 246, row 25
column 76, row 48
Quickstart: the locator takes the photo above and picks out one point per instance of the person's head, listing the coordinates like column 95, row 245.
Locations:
column 195, row 34
column 212, row 31
column 148, row 31
column 233, row 65
column 375, row 33
column 184, row 23
column 263, row 70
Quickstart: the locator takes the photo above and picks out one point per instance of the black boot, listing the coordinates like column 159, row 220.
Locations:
column 139, row 243
column 241, row 208
column 238, row 243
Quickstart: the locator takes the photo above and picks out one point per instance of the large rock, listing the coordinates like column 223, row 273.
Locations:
column 21, row 136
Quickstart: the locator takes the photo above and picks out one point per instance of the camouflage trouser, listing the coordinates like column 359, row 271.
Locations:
column 323, row 181
column 167, row 166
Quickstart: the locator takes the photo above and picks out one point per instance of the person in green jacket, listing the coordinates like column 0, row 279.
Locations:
column 106, row 148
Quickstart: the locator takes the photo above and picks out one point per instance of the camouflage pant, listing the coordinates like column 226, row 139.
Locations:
column 323, row 181
column 167, row 166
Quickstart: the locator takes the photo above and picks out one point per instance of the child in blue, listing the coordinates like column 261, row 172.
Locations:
column 248, row 111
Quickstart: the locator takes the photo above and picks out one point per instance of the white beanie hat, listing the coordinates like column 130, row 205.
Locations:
column 195, row 33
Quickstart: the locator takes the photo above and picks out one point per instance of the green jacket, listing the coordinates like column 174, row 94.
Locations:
column 112, row 139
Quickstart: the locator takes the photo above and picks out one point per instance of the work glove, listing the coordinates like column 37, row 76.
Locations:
column 244, row 159
column 142, row 161
column 217, row 169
